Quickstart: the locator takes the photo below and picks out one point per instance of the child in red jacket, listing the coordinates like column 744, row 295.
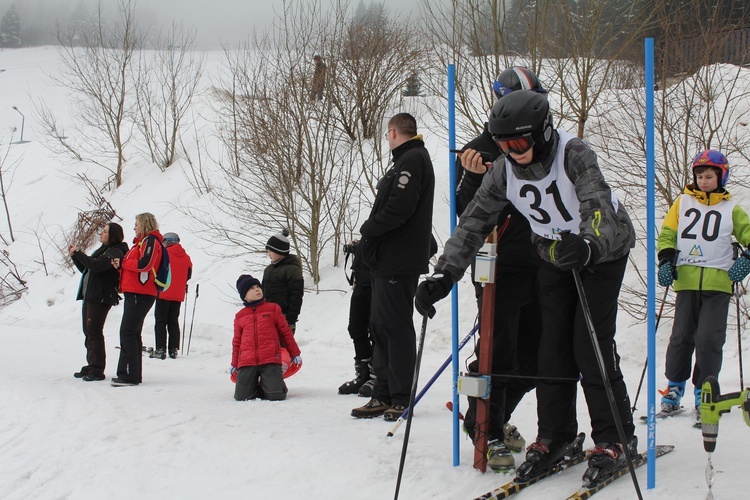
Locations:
column 260, row 330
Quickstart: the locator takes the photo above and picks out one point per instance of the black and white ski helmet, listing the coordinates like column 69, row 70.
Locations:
column 516, row 78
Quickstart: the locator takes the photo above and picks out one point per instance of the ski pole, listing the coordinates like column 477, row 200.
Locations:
column 430, row 382
column 645, row 364
column 739, row 336
column 192, row 320
column 412, row 397
column 184, row 320
column 605, row 378
column 736, row 292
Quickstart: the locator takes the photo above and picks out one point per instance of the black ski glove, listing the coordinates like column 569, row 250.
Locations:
column 573, row 252
column 431, row 290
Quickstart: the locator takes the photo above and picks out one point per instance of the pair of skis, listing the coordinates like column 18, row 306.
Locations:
column 664, row 415
column 513, row 487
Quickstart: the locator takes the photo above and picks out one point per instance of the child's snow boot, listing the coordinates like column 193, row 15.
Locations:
column 671, row 397
column 697, row 393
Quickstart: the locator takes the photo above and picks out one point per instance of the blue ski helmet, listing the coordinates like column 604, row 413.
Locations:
column 715, row 159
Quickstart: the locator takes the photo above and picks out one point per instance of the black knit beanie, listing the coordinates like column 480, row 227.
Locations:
column 279, row 242
column 245, row 283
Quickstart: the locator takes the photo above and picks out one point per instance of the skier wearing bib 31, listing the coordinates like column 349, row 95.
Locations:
column 517, row 324
column 695, row 253
column 553, row 179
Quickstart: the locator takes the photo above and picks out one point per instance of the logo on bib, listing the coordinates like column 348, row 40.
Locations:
column 696, row 251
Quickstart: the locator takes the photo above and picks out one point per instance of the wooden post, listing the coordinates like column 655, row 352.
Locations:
column 486, row 332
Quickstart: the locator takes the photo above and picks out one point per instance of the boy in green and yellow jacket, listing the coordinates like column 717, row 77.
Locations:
column 695, row 253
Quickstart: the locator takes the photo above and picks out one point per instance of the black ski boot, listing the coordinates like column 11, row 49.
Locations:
column 158, row 354
column 362, row 375
column 544, row 454
column 368, row 388
column 605, row 459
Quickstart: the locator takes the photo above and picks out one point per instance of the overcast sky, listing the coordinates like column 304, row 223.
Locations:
column 218, row 22
column 231, row 21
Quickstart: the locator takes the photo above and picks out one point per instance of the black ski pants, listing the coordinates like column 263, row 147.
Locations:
column 359, row 321
column 167, row 319
column 264, row 382
column 94, row 314
column 566, row 351
column 515, row 349
column 393, row 337
column 700, row 325
column 136, row 307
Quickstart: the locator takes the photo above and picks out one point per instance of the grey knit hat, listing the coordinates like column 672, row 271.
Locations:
column 279, row 242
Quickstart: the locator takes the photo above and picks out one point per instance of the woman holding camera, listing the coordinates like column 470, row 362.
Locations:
column 98, row 291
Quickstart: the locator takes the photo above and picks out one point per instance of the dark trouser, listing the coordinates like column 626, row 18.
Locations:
column 167, row 318
column 94, row 314
column 515, row 348
column 393, row 337
column 137, row 306
column 566, row 351
column 359, row 321
column 272, row 386
column 700, row 325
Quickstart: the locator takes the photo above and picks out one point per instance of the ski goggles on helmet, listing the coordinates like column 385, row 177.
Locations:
column 517, row 145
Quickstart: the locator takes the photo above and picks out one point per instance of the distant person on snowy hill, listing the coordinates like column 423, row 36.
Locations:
column 283, row 282
column 137, row 271
column 98, row 291
column 319, row 79
column 695, row 254
column 169, row 301
column 260, row 330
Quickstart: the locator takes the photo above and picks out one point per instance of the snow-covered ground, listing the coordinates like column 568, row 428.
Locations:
column 181, row 433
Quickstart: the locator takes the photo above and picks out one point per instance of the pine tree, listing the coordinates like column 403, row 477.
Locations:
column 413, row 86
column 10, row 29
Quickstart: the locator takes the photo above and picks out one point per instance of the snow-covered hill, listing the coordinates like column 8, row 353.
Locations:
column 180, row 434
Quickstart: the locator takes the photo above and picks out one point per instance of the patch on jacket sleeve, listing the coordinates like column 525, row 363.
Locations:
column 403, row 180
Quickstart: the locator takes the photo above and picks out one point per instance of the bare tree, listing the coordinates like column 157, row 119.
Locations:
column 293, row 161
column 165, row 91
column 12, row 284
column 481, row 38
column 473, row 36
column 588, row 47
column 6, row 180
column 694, row 111
column 371, row 57
column 99, row 68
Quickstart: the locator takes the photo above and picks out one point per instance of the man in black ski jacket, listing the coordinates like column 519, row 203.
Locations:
column 517, row 325
column 395, row 242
